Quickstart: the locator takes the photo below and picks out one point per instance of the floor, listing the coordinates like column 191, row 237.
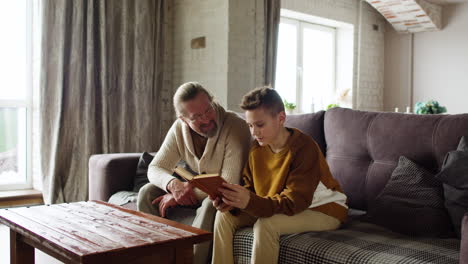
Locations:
column 40, row 257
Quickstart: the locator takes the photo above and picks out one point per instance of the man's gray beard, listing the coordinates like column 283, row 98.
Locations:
column 213, row 131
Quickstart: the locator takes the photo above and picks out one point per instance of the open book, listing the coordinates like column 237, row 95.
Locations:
column 208, row 183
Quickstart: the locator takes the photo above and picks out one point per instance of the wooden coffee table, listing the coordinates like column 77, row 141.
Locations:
column 98, row 232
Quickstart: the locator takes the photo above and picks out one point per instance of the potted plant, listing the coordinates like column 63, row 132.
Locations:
column 289, row 107
column 332, row 105
column 429, row 107
column 343, row 99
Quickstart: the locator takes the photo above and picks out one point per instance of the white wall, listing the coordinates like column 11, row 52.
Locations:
column 440, row 64
column 397, row 92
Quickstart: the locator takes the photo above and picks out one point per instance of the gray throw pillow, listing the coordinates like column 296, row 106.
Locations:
column 454, row 175
column 463, row 145
column 141, row 177
column 411, row 203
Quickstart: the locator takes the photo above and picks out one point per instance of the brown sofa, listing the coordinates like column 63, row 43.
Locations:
column 362, row 149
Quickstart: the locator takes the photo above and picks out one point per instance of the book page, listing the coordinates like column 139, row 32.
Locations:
column 206, row 175
column 184, row 173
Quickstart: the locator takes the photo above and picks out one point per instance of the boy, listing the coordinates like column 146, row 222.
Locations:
column 288, row 187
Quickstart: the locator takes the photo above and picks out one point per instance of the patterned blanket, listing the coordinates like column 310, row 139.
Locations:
column 359, row 242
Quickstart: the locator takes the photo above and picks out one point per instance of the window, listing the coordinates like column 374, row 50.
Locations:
column 314, row 65
column 16, row 80
column 305, row 64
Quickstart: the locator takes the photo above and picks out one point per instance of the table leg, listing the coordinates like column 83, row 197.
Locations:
column 20, row 252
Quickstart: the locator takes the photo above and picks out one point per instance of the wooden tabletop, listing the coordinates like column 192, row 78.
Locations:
column 92, row 231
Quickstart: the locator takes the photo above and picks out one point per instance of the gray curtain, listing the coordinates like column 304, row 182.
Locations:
column 272, row 19
column 100, row 83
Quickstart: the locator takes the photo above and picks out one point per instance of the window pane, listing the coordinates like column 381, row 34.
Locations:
column 13, row 51
column 286, row 62
column 318, row 68
column 12, row 145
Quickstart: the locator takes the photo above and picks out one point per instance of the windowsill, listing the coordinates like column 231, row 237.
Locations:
column 20, row 198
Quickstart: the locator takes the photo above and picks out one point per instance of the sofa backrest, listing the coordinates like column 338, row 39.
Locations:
column 363, row 148
column 310, row 124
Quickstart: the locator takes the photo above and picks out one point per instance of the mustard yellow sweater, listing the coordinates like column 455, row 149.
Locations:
column 288, row 182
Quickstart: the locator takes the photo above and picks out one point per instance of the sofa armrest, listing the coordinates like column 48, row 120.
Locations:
column 464, row 240
column 110, row 173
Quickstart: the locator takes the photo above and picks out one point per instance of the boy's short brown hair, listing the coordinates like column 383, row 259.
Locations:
column 265, row 97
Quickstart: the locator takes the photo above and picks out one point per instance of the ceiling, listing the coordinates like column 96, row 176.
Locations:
column 410, row 16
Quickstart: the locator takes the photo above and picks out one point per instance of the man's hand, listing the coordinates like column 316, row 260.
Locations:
column 182, row 192
column 220, row 206
column 165, row 202
column 235, row 195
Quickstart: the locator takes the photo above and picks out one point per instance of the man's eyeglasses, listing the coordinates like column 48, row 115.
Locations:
column 206, row 115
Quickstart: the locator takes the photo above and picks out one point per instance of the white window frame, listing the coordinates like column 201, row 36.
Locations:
column 300, row 26
column 26, row 103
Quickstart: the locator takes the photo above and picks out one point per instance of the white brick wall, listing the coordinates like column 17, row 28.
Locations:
column 341, row 10
column 370, row 68
column 201, row 18
column 246, row 52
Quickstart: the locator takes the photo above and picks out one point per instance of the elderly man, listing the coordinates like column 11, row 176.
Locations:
column 208, row 139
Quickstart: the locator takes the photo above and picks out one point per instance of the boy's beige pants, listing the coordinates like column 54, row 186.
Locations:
column 267, row 231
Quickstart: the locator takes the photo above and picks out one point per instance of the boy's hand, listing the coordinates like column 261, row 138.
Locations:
column 220, row 206
column 235, row 195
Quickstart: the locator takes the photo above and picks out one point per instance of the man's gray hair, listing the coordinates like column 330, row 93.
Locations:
column 186, row 92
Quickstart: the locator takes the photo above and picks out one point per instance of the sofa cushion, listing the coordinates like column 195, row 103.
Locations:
column 124, row 197
column 411, row 203
column 455, row 168
column 141, row 177
column 358, row 243
column 454, row 175
column 463, row 145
